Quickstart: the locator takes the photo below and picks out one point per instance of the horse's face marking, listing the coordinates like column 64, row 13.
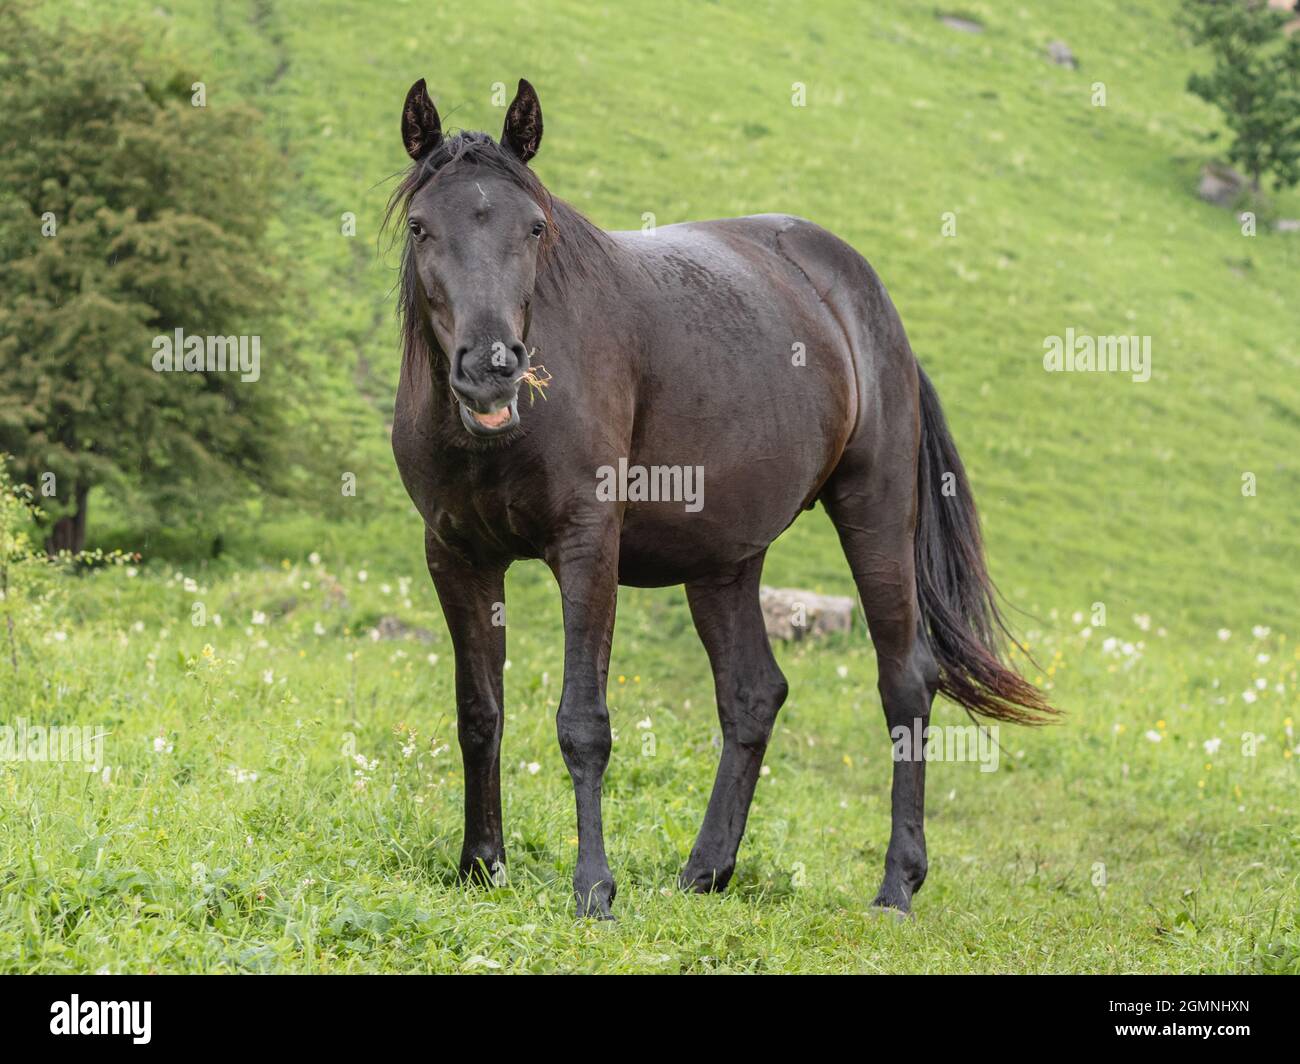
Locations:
column 476, row 241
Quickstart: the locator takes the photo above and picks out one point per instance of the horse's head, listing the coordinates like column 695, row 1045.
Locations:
column 478, row 223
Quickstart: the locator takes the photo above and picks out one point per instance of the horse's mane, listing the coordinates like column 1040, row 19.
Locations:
column 573, row 249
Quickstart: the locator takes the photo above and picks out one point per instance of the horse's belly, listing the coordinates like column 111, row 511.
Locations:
column 675, row 541
column 647, row 561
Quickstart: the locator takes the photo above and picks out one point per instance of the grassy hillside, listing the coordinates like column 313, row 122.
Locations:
column 1094, row 489
column 1068, row 215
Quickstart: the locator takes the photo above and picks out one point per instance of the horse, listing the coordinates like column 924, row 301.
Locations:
column 762, row 352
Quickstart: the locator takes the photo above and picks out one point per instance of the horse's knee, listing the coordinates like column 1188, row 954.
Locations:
column 583, row 729
column 752, row 704
column 478, row 725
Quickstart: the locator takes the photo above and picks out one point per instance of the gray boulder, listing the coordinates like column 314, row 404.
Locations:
column 960, row 24
column 1059, row 53
column 1220, row 184
column 390, row 627
column 791, row 614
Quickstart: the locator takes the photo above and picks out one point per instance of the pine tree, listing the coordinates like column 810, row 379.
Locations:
column 1255, row 82
column 129, row 212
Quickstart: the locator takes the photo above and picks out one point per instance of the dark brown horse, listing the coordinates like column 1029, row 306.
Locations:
column 758, row 358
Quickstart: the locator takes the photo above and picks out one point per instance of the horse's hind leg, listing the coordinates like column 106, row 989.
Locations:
column 873, row 507
column 750, row 690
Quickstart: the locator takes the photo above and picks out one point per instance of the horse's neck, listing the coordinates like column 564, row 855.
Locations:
column 585, row 299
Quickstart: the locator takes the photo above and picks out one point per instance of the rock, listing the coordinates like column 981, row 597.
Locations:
column 390, row 627
column 335, row 597
column 1220, row 184
column 961, row 25
column 283, row 607
column 791, row 614
column 1059, row 53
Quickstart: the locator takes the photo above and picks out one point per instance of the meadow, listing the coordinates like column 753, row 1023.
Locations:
column 280, row 788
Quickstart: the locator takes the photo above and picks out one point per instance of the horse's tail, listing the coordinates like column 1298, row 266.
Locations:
column 956, row 596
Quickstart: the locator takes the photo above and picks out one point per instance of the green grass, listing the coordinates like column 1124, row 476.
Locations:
column 179, row 861
column 1093, row 490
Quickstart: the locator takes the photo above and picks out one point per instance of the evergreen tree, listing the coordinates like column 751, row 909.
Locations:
column 1255, row 82
column 133, row 206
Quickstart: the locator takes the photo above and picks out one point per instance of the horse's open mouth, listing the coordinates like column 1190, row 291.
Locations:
column 491, row 424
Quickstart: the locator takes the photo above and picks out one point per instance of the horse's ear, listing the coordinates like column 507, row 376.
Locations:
column 523, row 129
column 421, row 126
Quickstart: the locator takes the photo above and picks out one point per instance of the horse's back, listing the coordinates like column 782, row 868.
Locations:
column 781, row 260
column 851, row 293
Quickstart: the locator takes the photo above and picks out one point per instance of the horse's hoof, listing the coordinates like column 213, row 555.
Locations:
column 594, row 902
column 892, row 903
column 701, row 880
column 485, row 869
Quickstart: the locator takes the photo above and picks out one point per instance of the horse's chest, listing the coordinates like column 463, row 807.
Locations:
column 477, row 515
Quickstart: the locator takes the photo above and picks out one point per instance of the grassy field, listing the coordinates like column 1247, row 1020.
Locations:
column 280, row 787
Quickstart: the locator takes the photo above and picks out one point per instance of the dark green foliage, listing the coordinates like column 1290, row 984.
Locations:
column 129, row 212
column 1255, row 82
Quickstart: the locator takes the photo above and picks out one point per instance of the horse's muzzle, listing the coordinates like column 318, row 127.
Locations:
column 493, row 422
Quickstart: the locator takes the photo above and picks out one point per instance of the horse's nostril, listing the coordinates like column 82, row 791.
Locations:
column 506, row 359
column 481, row 363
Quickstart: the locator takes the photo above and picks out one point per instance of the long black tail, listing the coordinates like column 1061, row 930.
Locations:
column 957, row 598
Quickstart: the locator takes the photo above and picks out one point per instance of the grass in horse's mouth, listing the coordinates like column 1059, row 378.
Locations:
column 536, row 377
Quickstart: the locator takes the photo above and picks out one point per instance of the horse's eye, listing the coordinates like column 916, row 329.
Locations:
column 538, row 228
column 417, row 230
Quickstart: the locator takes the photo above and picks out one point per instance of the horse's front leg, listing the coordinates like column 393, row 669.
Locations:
column 585, row 563
column 473, row 603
